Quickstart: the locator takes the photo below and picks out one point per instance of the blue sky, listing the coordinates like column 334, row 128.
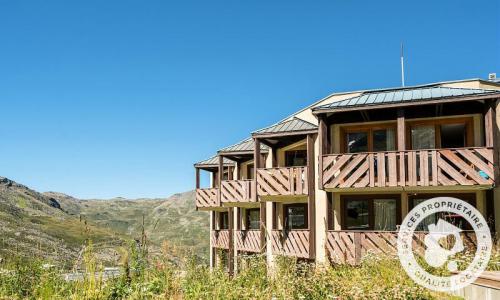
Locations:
column 120, row 98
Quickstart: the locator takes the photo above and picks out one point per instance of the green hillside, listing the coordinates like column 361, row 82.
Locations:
column 55, row 226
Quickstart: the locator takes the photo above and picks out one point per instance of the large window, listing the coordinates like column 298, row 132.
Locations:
column 378, row 212
column 367, row 139
column 443, row 133
column 295, row 216
column 296, row 158
column 454, row 219
column 223, row 220
column 252, row 218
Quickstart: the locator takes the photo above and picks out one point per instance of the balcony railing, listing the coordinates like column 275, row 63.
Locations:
column 237, row 191
column 282, row 181
column 351, row 246
column 435, row 167
column 293, row 243
column 248, row 241
column 207, row 198
column 220, row 239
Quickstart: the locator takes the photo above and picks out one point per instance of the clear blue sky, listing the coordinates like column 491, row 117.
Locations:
column 120, row 98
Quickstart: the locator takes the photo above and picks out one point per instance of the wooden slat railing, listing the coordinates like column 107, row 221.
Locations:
column 435, row 167
column 206, row 198
column 248, row 241
column 293, row 243
column 220, row 239
column 351, row 246
column 290, row 181
column 237, row 191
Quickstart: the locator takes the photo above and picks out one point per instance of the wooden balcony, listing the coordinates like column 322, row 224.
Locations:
column 293, row 243
column 412, row 168
column 237, row 191
column 248, row 241
column 207, row 198
column 220, row 239
column 351, row 246
column 282, row 181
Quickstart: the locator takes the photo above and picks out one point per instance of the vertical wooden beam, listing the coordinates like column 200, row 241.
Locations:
column 221, row 176
column 323, row 142
column 230, row 211
column 197, row 178
column 311, row 209
column 401, row 144
column 401, row 130
column 256, row 164
column 212, row 249
column 489, row 124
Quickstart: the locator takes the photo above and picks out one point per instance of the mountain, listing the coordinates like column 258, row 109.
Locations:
column 55, row 226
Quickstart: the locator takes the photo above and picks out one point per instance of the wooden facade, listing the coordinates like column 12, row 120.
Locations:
column 410, row 168
column 290, row 181
column 330, row 172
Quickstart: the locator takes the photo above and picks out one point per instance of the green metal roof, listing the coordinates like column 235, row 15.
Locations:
column 246, row 145
column 404, row 95
column 213, row 162
column 293, row 125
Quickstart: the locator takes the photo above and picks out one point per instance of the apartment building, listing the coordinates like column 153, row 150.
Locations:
column 333, row 182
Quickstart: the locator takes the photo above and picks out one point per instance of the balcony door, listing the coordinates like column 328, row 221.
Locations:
column 369, row 139
column 443, row 133
column 371, row 212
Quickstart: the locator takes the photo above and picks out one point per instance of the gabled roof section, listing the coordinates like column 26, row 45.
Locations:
column 294, row 125
column 246, row 145
column 404, row 96
column 213, row 162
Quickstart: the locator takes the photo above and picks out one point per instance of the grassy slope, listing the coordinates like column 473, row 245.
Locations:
column 34, row 225
column 173, row 220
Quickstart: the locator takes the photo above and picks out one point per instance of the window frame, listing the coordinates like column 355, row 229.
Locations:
column 467, row 121
column 371, row 209
column 247, row 218
column 369, row 129
column 295, row 151
column 221, row 220
column 286, row 215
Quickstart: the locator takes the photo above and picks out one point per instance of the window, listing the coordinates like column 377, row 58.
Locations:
column 357, row 213
column 296, row 158
column 441, row 133
column 376, row 212
column 223, row 220
column 453, row 135
column 384, row 140
column 456, row 220
column 357, row 142
column 370, row 139
column 295, row 216
column 253, row 218
column 385, row 214
column 250, row 171
column 423, row 137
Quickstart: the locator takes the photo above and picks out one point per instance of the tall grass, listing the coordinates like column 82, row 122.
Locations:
column 159, row 278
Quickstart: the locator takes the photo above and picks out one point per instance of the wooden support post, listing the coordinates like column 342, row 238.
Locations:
column 489, row 124
column 256, row 164
column 401, row 136
column 212, row 249
column 197, row 178
column 323, row 147
column 311, row 210
column 221, row 176
column 230, row 260
column 401, row 130
column 357, row 247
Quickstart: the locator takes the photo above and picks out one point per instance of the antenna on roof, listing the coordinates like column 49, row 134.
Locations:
column 402, row 66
